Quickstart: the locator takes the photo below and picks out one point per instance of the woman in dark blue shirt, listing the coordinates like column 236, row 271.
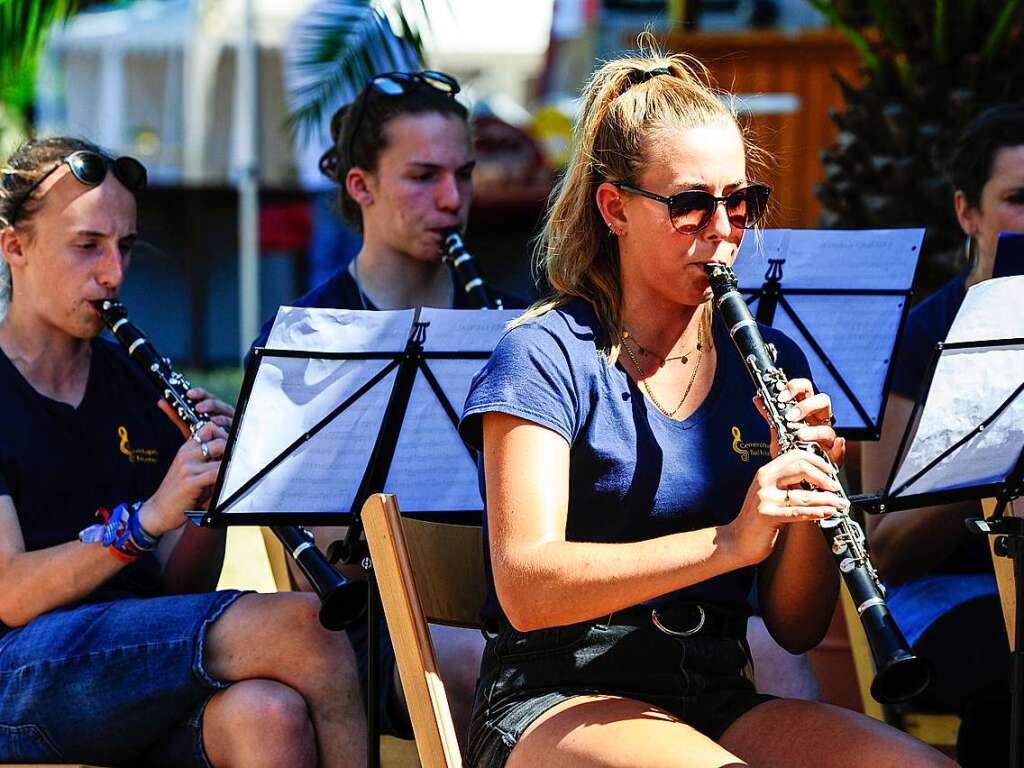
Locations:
column 631, row 492
column 942, row 589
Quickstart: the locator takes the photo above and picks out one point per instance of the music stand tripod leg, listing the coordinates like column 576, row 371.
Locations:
column 373, row 667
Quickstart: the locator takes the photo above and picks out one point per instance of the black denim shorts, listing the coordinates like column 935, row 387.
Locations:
column 697, row 676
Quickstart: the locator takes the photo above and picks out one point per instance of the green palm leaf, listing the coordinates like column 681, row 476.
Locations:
column 342, row 45
column 23, row 28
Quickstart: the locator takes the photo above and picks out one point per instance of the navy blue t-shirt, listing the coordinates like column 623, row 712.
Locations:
column 634, row 473
column 60, row 464
column 341, row 291
column 928, row 324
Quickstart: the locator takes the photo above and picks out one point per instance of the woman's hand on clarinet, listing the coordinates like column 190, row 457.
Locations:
column 815, row 409
column 188, row 483
column 777, row 497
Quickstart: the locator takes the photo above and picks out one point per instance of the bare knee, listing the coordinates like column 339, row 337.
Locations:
column 257, row 723
column 257, row 632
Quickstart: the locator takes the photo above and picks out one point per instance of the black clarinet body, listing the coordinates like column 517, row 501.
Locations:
column 335, row 611
column 455, row 255
column 899, row 675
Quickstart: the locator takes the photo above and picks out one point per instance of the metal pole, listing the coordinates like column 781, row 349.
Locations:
column 248, row 183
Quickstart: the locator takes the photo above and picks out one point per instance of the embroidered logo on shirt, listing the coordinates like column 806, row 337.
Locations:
column 141, row 455
column 746, row 450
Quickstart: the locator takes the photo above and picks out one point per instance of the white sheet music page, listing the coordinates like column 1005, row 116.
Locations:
column 432, row 469
column 291, row 395
column 867, row 265
column 967, row 388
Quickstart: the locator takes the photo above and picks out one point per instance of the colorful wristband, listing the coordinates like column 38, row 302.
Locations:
column 121, row 532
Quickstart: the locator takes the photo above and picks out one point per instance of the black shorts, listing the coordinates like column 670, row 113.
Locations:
column 700, row 679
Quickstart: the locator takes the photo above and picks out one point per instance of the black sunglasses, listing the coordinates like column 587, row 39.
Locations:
column 692, row 210
column 90, row 169
column 396, row 84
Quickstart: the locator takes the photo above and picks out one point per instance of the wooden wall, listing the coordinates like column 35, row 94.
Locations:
column 776, row 63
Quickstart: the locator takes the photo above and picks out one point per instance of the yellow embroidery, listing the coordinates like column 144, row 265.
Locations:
column 143, row 455
column 746, row 450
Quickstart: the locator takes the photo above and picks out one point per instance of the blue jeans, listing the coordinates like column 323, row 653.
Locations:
column 114, row 684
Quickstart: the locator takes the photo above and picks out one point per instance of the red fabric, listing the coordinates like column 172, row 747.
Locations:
column 285, row 226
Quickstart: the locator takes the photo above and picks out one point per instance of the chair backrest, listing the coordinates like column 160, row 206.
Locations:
column 1003, row 566
column 425, row 572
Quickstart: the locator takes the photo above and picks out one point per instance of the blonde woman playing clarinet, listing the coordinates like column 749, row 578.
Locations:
column 623, row 529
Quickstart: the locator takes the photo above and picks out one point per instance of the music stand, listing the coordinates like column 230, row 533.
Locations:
column 380, row 417
column 965, row 441
column 843, row 297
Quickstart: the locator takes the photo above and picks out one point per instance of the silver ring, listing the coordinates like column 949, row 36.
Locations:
column 787, row 497
column 205, row 449
column 197, row 438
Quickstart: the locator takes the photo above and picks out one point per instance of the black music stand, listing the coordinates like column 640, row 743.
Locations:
column 406, row 384
column 794, row 280
column 965, row 441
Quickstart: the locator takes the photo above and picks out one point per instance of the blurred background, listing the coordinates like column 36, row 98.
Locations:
column 226, row 102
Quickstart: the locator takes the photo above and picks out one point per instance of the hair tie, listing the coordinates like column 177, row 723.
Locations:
column 636, row 77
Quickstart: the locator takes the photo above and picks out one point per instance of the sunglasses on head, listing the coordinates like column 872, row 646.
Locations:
column 692, row 210
column 396, row 84
column 90, row 168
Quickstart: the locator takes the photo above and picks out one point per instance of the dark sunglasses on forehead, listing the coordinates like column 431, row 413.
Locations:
column 396, row 84
column 692, row 210
column 90, row 168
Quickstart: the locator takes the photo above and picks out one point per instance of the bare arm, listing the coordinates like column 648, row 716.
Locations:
column 542, row 580
column 910, row 543
column 32, row 583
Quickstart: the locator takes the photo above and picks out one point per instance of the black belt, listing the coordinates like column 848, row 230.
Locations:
column 682, row 619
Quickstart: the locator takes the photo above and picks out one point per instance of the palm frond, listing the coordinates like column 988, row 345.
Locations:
column 1000, row 29
column 23, row 28
column 343, row 43
column 857, row 40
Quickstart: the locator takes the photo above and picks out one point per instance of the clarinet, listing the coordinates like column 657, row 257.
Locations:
column 456, row 256
column 173, row 386
column 899, row 675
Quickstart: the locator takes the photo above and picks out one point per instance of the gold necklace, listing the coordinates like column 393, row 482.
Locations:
column 689, row 386
column 683, row 357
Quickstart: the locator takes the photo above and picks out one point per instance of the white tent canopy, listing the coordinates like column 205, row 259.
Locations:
column 157, row 79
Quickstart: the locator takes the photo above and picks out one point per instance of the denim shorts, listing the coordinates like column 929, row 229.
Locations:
column 700, row 678
column 118, row 683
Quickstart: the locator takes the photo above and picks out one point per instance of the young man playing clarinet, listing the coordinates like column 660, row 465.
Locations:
column 402, row 157
column 114, row 648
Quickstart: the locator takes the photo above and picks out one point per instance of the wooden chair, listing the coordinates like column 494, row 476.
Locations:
column 426, row 572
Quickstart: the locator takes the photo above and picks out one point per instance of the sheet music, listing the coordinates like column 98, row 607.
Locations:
column 290, row 396
column 854, row 259
column 967, row 387
column 432, row 469
column 861, row 358
column 316, row 329
column 877, row 262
